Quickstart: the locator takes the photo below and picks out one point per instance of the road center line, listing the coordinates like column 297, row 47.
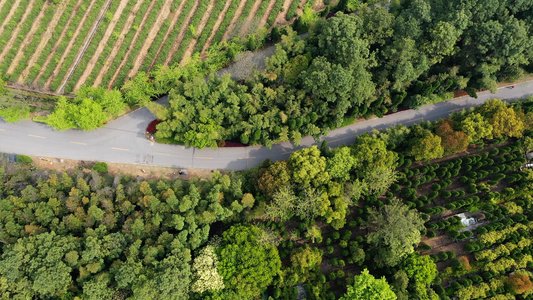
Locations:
column 334, row 140
column 2, row 129
column 37, row 136
column 287, row 152
column 203, row 157
column 413, row 120
column 247, row 157
column 78, row 143
column 162, row 153
column 120, row 149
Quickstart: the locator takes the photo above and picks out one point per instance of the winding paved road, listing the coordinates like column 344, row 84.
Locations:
column 123, row 140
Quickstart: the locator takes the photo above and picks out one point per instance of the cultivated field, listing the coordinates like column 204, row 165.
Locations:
column 60, row 47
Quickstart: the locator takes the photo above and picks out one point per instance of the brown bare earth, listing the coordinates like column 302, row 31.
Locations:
column 58, row 41
column 44, row 38
column 145, row 171
column 118, row 44
column 216, row 26
column 70, row 45
column 190, row 47
column 14, row 7
column 280, row 19
column 174, row 16
column 177, row 42
column 29, row 37
column 152, row 34
column 15, row 32
column 101, row 44
column 300, row 9
column 268, row 11
column 133, row 42
column 234, row 20
column 319, row 5
column 248, row 27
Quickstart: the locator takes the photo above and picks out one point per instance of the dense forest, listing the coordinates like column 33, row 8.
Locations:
column 328, row 223
column 354, row 65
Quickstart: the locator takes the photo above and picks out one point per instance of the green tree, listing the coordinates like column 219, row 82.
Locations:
column 306, row 258
column 282, row 205
column 421, row 270
column 367, row 287
column 48, row 274
column 308, row 167
column 476, row 126
column 394, row 229
column 425, row 145
column 341, row 163
column 274, row 177
column 247, row 266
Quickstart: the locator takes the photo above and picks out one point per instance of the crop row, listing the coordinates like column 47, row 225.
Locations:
column 174, row 33
column 150, row 21
column 12, row 24
column 91, row 49
column 195, row 20
column 209, row 25
column 30, row 49
column 152, row 51
column 92, row 15
column 291, row 12
column 37, row 67
column 242, row 18
column 78, row 45
column 127, row 41
column 226, row 21
column 100, row 63
column 274, row 13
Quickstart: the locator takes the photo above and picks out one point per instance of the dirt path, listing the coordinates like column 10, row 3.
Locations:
column 118, row 43
column 216, row 26
column 84, row 48
column 174, row 17
column 102, row 44
column 15, row 32
column 132, row 44
column 44, row 38
column 234, row 20
column 184, row 27
column 58, row 41
column 199, row 30
column 247, row 27
column 14, row 7
column 268, row 11
column 152, row 34
column 70, row 45
column 319, row 5
column 280, row 18
column 29, row 37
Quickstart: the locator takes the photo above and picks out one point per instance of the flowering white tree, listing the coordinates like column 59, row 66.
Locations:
column 205, row 271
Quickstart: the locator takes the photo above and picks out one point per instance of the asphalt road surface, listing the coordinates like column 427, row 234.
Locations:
column 123, row 140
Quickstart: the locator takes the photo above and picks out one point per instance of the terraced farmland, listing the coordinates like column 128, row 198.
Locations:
column 60, row 47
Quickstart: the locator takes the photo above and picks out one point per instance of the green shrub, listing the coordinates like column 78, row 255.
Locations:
column 100, row 167
column 23, row 159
